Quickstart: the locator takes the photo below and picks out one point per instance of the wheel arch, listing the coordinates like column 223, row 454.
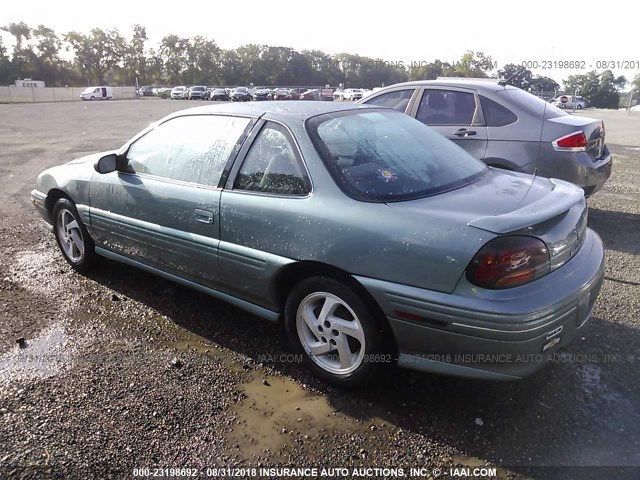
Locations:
column 53, row 196
column 292, row 274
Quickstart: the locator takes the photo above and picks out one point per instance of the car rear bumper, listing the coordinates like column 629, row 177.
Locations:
column 500, row 335
column 578, row 168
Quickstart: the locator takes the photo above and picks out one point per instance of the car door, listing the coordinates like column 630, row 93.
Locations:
column 267, row 188
column 454, row 113
column 162, row 207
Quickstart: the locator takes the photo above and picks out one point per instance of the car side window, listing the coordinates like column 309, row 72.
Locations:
column 446, row 107
column 495, row 115
column 397, row 100
column 192, row 148
column 272, row 165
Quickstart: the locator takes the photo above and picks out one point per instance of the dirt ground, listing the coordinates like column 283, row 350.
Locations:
column 123, row 370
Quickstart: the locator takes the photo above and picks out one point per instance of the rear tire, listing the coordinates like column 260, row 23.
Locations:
column 73, row 239
column 340, row 339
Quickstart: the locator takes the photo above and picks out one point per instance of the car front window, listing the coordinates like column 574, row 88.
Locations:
column 384, row 155
column 192, row 148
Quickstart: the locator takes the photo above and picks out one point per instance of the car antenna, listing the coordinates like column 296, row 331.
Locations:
column 503, row 82
column 535, row 173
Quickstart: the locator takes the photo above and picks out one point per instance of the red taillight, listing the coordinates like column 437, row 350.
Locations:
column 574, row 142
column 509, row 261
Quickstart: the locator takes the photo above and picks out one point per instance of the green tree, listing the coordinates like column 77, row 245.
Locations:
column 544, row 84
column 324, row 69
column 20, row 31
column 635, row 85
column 173, row 51
column 135, row 60
column 601, row 90
column 19, row 66
column 97, row 54
column 48, row 44
column 472, row 64
column 430, row 71
column 516, row 75
column 233, row 69
column 201, row 61
column 5, row 65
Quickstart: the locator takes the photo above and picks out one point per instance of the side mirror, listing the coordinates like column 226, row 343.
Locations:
column 107, row 164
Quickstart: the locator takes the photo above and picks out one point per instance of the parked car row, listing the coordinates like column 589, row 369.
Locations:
column 244, row 94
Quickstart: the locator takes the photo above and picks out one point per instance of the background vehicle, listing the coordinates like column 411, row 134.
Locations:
column 295, row 92
column 571, row 101
column 219, row 94
column 97, row 93
column 507, row 127
column 240, row 94
column 179, row 93
column 352, row 94
column 231, row 183
column 313, row 94
column 197, row 92
column 282, row 94
column 262, row 93
column 146, row 91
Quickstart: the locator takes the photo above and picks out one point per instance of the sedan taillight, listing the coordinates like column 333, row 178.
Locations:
column 574, row 142
column 509, row 261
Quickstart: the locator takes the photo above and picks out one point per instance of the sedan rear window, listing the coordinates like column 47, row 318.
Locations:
column 384, row 155
column 495, row 115
column 527, row 101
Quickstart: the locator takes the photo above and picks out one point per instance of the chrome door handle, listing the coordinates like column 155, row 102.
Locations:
column 204, row 216
column 463, row 132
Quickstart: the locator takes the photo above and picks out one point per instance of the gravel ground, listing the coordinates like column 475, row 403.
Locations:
column 122, row 370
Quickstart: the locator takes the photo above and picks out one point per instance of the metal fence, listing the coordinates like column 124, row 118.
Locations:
column 14, row 94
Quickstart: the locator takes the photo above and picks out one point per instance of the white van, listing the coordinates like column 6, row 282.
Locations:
column 99, row 93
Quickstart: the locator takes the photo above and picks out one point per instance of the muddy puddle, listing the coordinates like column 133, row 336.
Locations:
column 43, row 356
column 277, row 411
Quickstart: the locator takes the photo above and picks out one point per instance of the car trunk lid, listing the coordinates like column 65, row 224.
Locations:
column 593, row 130
column 507, row 203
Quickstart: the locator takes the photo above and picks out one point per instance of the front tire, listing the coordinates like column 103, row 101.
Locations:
column 337, row 333
column 73, row 239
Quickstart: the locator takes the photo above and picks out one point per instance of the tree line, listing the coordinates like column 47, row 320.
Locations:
column 109, row 57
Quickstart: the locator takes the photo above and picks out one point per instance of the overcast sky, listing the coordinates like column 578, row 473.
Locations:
column 394, row 31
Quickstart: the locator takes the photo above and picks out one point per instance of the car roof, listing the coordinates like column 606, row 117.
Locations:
column 478, row 84
column 276, row 110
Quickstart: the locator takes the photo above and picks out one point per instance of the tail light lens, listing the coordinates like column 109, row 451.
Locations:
column 509, row 261
column 574, row 142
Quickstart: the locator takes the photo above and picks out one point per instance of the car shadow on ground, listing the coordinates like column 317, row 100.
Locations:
column 619, row 230
column 579, row 410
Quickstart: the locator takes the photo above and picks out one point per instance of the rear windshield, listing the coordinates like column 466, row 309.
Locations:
column 384, row 155
column 528, row 102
